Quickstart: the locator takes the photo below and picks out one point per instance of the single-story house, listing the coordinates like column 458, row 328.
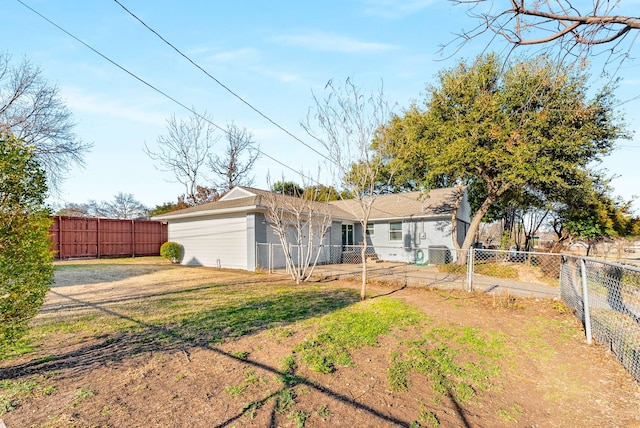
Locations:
column 234, row 231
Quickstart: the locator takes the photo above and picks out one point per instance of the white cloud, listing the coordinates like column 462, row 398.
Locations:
column 245, row 54
column 79, row 101
column 281, row 76
column 333, row 43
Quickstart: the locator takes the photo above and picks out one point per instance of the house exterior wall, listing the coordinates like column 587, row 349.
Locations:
column 270, row 252
column 464, row 219
column 256, row 232
column 464, row 209
column 213, row 241
column 416, row 235
column 461, row 229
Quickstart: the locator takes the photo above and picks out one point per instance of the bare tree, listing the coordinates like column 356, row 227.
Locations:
column 301, row 225
column 346, row 122
column 125, row 206
column 184, row 150
column 235, row 165
column 32, row 110
column 575, row 29
column 73, row 209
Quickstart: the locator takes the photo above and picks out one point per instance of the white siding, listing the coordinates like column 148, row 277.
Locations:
column 219, row 241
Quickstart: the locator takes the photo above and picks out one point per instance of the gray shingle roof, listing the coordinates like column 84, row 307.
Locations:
column 437, row 202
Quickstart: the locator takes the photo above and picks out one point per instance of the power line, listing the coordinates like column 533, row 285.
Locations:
column 149, row 85
column 221, row 84
column 311, row 180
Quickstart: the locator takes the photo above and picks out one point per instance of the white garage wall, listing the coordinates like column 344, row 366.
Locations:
column 215, row 241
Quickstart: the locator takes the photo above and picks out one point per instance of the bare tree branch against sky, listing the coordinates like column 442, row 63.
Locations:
column 272, row 55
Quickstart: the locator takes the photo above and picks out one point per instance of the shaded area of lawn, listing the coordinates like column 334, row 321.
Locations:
column 232, row 316
column 200, row 317
column 258, row 350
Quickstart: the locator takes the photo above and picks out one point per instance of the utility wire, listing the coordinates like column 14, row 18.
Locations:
column 222, row 84
column 311, row 180
column 149, row 85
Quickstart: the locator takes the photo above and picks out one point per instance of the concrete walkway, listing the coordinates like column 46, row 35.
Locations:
column 492, row 285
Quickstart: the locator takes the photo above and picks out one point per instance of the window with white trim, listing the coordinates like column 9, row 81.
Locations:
column 395, row 231
column 370, row 229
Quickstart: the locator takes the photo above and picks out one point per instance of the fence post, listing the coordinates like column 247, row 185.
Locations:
column 98, row 238
column 470, row 270
column 585, row 300
column 133, row 238
column 59, row 237
column 270, row 256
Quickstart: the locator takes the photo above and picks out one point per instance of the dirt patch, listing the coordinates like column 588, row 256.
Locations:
column 113, row 349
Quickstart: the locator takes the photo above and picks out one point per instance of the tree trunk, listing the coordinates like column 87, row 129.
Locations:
column 363, row 289
column 474, row 226
column 454, row 218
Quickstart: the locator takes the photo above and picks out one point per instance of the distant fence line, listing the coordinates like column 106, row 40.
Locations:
column 82, row 237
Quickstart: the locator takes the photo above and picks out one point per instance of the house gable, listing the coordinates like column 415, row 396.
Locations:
column 237, row 193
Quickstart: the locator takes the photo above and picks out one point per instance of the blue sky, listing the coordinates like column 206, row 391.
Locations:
column 272, row 53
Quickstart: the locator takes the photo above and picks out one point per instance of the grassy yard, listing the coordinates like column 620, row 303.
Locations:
column 139, row 342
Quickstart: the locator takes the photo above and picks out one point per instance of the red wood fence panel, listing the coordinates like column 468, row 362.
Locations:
column 74, row 237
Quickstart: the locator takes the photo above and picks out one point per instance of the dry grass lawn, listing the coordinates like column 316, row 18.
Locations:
column 142, row 343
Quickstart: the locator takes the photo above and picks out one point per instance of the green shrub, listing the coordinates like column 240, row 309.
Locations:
column 171, row 251
column 26, row 268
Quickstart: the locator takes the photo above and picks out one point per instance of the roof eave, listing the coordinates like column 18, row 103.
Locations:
column 414, row 217
column 207, row 213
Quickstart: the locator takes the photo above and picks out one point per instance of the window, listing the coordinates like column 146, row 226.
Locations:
column 395, row 231
column 370, row 229
column 347, row 235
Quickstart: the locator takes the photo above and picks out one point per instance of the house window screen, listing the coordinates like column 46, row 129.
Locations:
column 395, row 231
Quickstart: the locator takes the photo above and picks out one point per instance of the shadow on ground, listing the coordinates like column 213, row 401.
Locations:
column 205, row 329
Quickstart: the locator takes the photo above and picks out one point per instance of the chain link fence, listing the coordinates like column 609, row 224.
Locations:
column 513, row 272
column 517, row 272
column 606, row 298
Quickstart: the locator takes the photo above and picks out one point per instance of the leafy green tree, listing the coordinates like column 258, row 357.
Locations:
column 164, row 208
column 593, row 215
column 288, row 188
column 25, row 255
column 526, row 125
column 322, row 193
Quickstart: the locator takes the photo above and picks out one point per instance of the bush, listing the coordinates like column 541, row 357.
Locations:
column 171, row 251
column 26, row 268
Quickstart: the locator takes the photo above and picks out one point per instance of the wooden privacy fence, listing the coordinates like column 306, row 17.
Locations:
column 100, row 237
